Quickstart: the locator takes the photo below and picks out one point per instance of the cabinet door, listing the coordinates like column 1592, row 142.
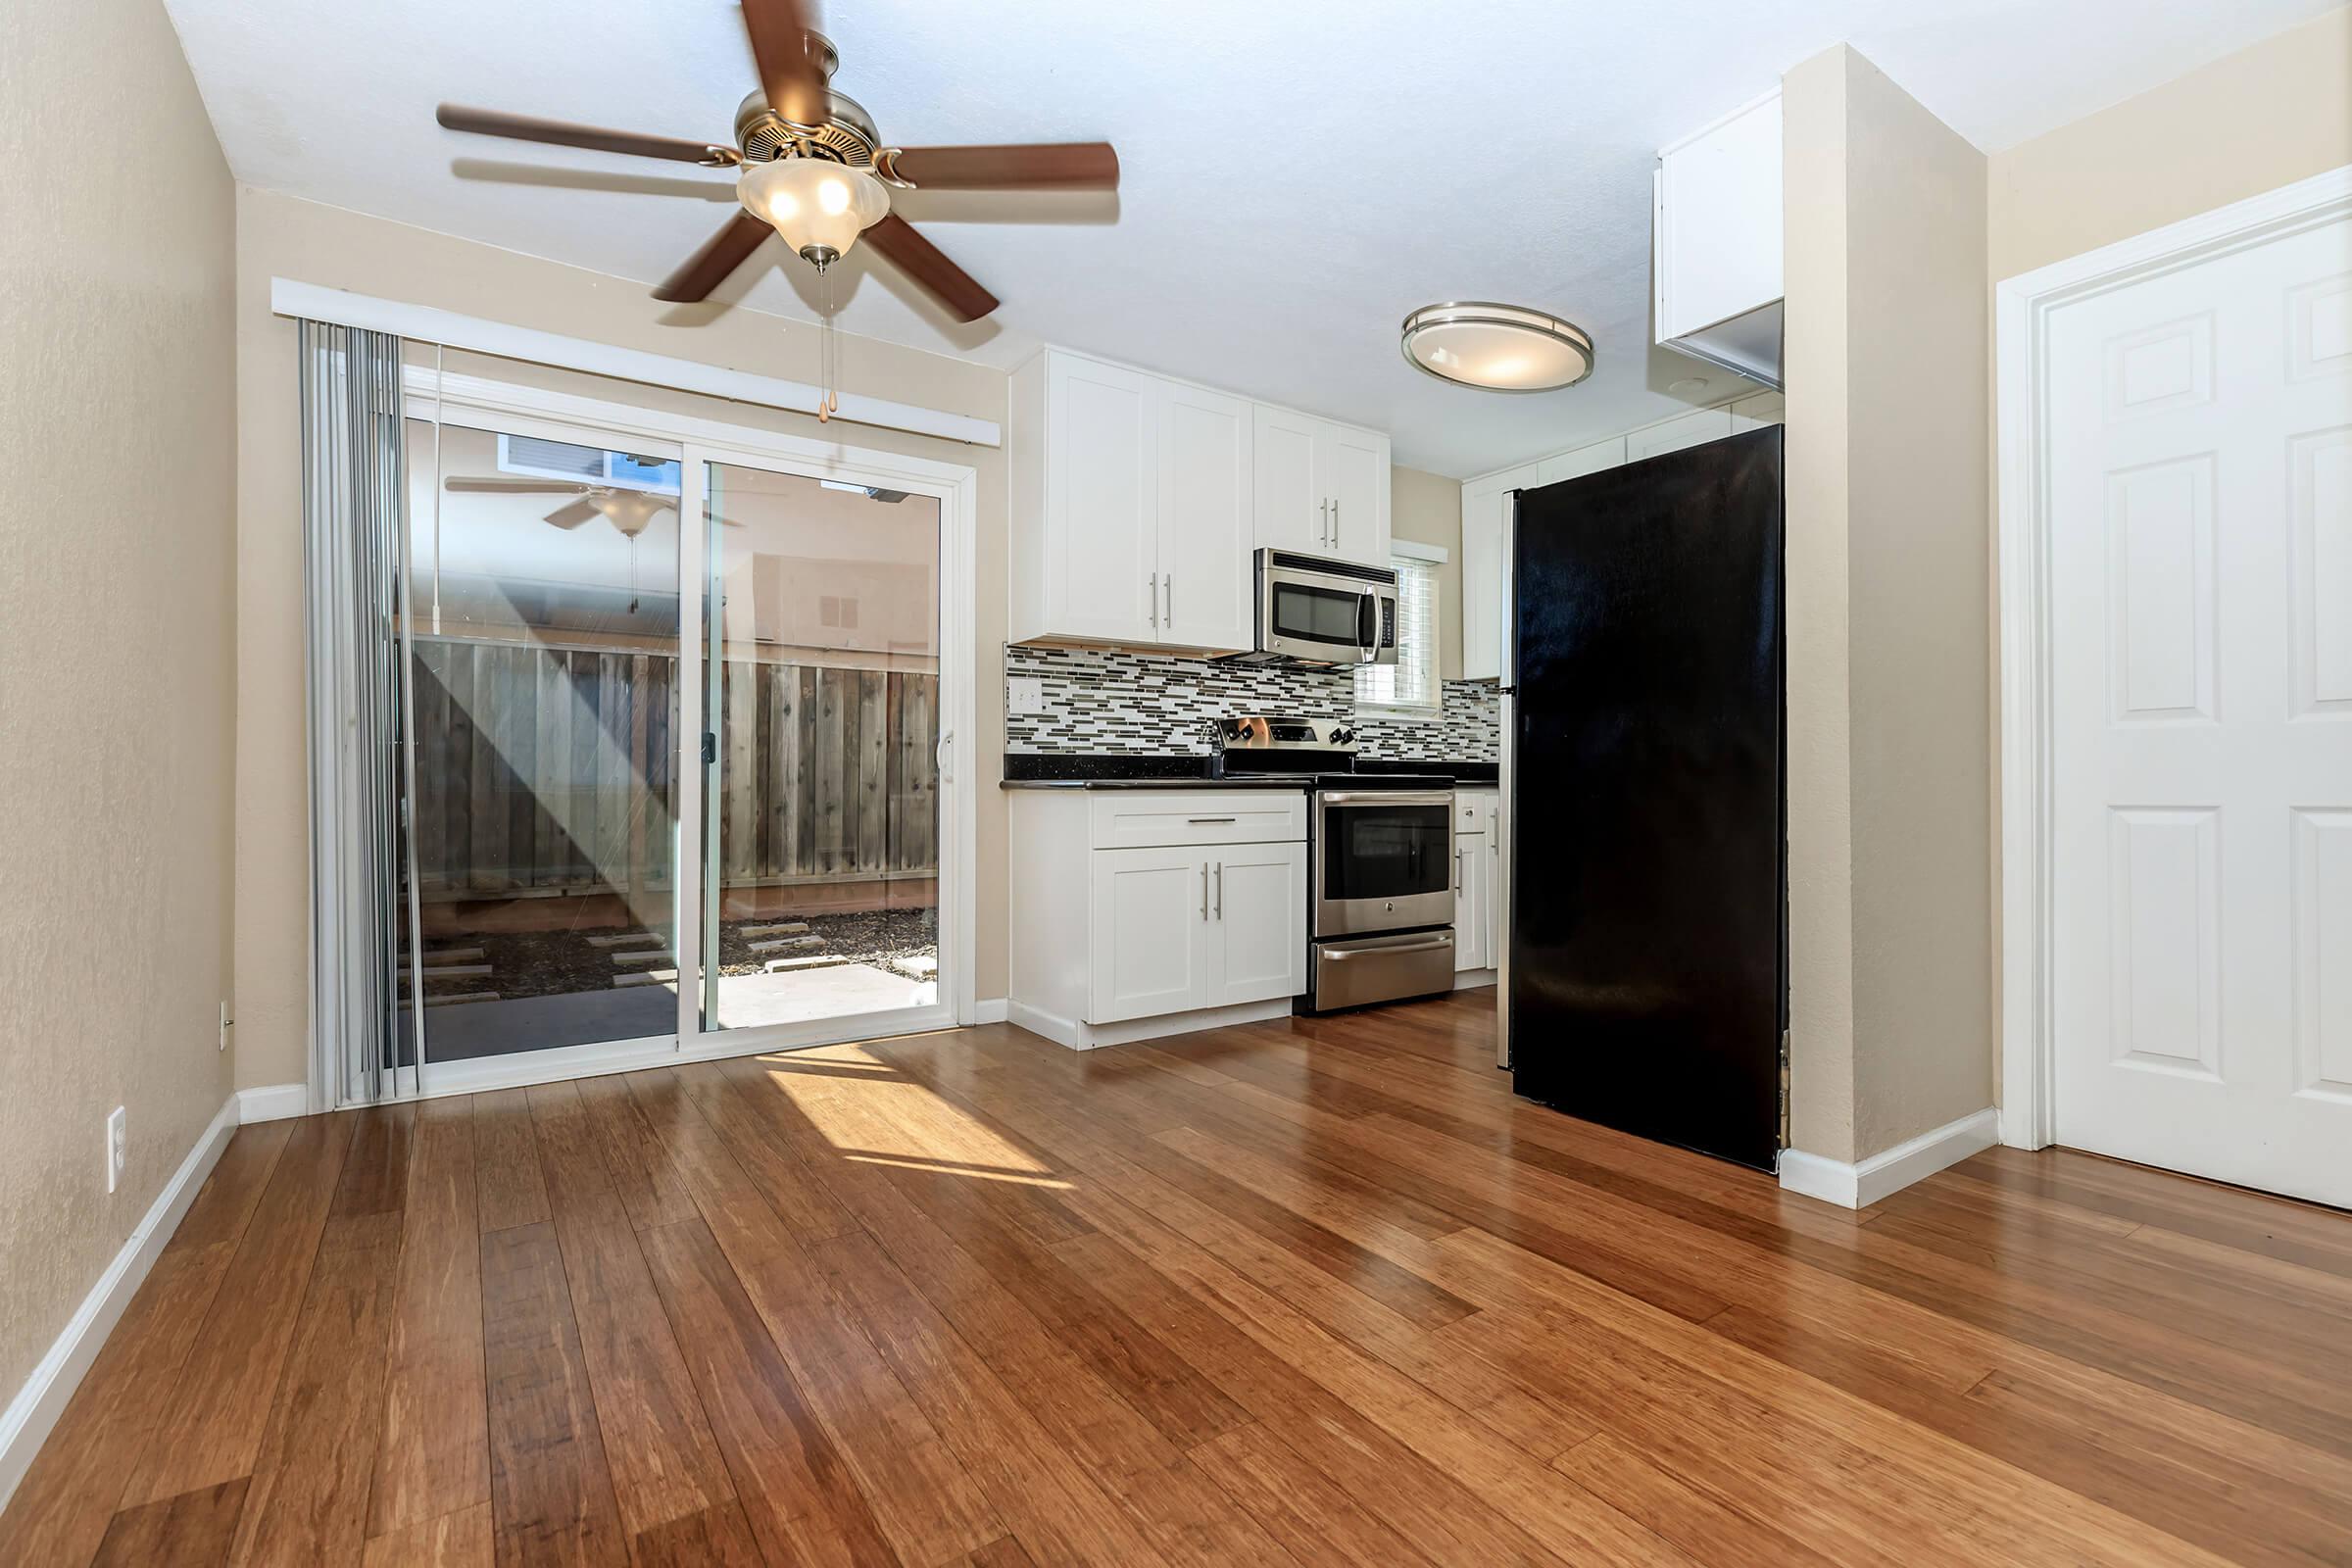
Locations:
column 1291, row 511
column 1101, row 507
column 1206, row 510
column 1483, row 607
column 1150, row 911
column 1575, row 464
column 1356, row 467
column 1258, row 924
column 1470, row 902
column 1707, row 424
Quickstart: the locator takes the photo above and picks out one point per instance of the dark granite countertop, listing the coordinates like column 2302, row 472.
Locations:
column 1035, row 770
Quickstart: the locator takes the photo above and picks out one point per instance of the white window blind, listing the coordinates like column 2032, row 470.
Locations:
column 1411, row 683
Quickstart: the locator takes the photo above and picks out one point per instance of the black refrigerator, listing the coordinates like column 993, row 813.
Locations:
column 1646, row 977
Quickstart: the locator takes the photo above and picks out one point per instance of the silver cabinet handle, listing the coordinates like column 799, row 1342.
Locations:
column 1323, row 527
column 1335, row 522
column 1152, row 594
column 1171, row 592
column 1204, row 890
column 1220, row 890
column 1332, row 955
column 1457, row 872
column 1198, row 821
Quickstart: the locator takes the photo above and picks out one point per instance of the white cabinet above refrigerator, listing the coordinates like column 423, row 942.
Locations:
column 1715, row 242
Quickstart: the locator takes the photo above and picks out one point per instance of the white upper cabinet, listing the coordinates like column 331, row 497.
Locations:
column 1138, row 502
column 1686, row 430
column 1207, row 518
column 1294, row 510
column 1132, row 508
column 1322, row 487
column 1715, row 242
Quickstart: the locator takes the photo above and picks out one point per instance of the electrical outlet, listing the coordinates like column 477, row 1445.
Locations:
column 1025, row 694
column 118, row 1146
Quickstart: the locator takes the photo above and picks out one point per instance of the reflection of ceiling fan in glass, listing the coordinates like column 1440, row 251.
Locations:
column 631, row 511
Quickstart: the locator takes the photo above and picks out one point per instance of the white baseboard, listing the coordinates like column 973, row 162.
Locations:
column 1864, row 1183
column 272, row 1103
column 991, row 1010
column 1471, row 979
column 1088, row 1036
column 32, row 1414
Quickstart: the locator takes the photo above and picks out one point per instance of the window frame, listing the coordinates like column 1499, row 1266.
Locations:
column 1412, row 553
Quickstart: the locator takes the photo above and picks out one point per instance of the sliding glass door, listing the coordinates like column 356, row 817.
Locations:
column 820, row 808
column 543, row 682
column 675, row 786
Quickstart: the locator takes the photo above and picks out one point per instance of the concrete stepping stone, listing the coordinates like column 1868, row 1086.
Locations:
column 451, row 971
column 658, row 956
column 462, row 995
column 821, row 960
column 777, row 944
column 647, row 977
column 790, row 928
column 627, row 939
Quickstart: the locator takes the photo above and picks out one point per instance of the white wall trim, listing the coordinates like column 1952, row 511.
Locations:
column 2022, row 306
column 33, row 1413
column 272, row 1103
column 992, row 1009
column 1860, row 1184
column 426, row 323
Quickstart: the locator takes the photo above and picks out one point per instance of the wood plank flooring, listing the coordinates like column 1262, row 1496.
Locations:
column 1305, row 1292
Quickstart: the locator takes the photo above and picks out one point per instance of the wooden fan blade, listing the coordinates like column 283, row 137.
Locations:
column 515, row 487
column 788, row 75
column 707, row 267
column 573, row 515
column 564, row 133
column 1037, row 165
column 923, row 262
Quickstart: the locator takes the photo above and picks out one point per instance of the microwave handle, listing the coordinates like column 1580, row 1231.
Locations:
column 1367, row 627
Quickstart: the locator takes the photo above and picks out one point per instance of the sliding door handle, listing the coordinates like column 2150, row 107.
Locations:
column 944, row 754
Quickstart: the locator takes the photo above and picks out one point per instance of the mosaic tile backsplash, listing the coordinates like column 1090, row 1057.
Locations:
column 1140, row 704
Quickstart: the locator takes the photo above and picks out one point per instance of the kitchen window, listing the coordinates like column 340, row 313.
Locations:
column 1408, row 688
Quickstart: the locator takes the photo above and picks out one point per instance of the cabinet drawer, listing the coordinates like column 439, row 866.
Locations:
column 1131, row 819
column 1474, row 809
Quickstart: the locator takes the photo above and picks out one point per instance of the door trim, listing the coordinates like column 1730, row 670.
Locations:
column 469, row 400
column 2023, row 307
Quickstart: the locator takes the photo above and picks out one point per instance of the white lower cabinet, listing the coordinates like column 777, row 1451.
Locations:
column 1470, row 921
column 1118, row 937
column 1185, row 928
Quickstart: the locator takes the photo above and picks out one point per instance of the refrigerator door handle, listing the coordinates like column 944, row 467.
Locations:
column 1507, row 796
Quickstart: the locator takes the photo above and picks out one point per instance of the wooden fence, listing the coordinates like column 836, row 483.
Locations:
column 553, row 769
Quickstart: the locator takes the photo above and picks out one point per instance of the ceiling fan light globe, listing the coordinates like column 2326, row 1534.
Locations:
column 815, row 204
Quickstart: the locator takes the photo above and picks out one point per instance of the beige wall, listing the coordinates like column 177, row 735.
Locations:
column 1427, row 508
column 279, row 237
column 1888, row 700
column 116, row 627
column 2271, row 114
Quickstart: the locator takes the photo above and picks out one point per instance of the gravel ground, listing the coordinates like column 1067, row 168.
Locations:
column 549, row 964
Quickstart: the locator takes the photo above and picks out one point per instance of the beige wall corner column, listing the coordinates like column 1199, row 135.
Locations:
column 1890, row 988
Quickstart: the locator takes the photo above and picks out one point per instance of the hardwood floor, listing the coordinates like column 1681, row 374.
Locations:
column 1314, row 1291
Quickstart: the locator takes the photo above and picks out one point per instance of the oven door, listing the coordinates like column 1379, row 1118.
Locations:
column 1325, row 619
column 1383, row 860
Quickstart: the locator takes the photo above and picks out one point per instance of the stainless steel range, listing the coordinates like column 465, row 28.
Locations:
column 1380, row 857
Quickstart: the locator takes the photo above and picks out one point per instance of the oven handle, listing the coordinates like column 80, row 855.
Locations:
column 1336, row 954
column 1384, row 796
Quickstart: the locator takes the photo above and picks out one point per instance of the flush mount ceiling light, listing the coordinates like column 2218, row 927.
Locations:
column 1497, row 348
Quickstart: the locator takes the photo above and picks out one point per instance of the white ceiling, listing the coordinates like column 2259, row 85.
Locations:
column 1298, row 173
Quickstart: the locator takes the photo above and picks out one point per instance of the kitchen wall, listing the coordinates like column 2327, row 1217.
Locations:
column 1427, row 508
column 1152, row 705
column 2266, row 115
column 281, row 236
column 117, row 626
column 1889, row 833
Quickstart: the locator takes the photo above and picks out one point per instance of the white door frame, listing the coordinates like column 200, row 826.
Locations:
column 2022, row 306
column 523, row 409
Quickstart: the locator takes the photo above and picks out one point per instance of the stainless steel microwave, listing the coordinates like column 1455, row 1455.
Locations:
column 1312, row 610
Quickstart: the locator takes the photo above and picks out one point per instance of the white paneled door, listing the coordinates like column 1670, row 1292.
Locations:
column 2201, row 609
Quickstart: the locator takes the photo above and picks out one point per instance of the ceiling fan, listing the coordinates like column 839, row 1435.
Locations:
column 629, row 511
column 811, row 168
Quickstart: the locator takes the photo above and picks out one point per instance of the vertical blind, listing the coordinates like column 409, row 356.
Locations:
column 1412, row 681
column 353, row 489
